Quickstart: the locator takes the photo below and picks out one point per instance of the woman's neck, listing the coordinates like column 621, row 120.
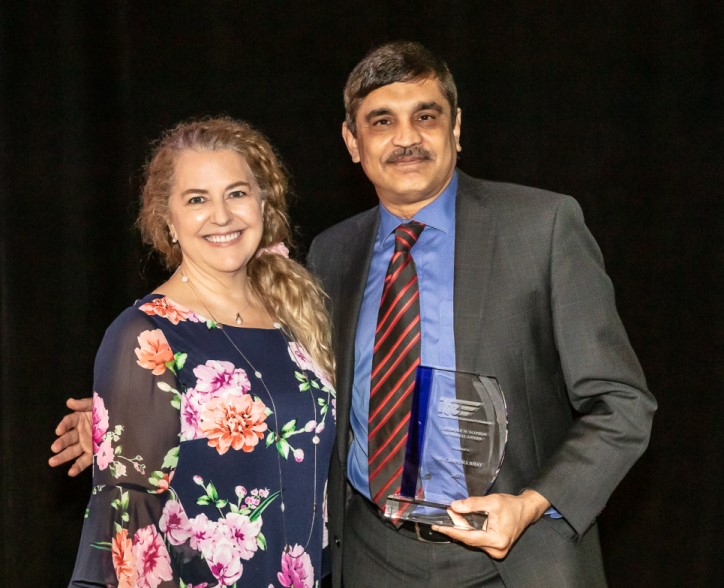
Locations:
column 226, row 298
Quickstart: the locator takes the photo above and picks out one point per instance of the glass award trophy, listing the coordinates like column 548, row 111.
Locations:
column 455, row 446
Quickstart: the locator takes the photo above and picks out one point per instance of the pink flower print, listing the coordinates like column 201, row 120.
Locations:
column 297, row 570
column 252, row 500
column 191, row 403
column 223, row 561
column 236, row 422
column 216, row 531
column 323, row 377
column 100, row 421
column 174, row 523
column 153, row 351
column 299, row 455
column 202, row 532
column 153, row 564
column 104, row 455
column 167, row 308
column 220, row 378
column 300, row 356
column 244, row 532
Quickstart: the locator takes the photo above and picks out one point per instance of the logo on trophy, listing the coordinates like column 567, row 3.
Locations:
column 455, row 446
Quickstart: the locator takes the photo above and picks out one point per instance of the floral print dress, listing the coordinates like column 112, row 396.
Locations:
column 202, row 477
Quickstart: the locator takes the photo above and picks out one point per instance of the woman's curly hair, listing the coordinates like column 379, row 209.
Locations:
column 291, row 294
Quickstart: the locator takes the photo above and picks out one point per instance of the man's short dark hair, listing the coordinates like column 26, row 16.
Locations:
column 398, row 61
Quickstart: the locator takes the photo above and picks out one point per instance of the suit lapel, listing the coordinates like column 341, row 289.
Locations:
column 352, row 284
column 474, row 244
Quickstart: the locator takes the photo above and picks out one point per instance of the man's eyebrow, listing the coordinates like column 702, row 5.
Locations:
column 433, row 105
column 377, row 112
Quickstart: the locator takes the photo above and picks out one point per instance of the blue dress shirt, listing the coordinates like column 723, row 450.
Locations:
column 434, row 255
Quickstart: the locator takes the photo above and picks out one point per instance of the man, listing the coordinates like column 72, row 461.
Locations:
column 505, row 281
column 511, row 284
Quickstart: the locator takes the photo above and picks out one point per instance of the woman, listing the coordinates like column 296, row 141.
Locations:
column 213, row 411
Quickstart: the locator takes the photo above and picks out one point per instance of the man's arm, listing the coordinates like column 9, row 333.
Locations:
column 606, row 390
column 605, row 383
column 74, row 437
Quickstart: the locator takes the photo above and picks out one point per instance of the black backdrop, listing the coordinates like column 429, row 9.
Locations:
column 618, row 103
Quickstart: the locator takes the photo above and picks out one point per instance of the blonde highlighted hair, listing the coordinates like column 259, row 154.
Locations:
column 291, row 294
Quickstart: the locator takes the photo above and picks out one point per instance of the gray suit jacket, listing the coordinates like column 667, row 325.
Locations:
column 533, row 307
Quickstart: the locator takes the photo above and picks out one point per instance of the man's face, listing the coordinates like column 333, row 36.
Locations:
column 407, row 142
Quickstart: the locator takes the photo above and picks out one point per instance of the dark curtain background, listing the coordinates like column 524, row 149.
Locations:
column 618, row 103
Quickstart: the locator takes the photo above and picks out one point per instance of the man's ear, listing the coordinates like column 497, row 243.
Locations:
column 456, row 130
column 351, row 141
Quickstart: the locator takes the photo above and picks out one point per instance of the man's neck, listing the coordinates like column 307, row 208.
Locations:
column 407, row 208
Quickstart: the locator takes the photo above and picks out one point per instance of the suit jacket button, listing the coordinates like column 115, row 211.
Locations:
column 337, row 541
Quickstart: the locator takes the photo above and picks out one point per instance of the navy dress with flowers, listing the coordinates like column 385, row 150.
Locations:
column 194, row 457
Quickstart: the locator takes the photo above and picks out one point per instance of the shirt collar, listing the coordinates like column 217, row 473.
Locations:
column 439, row 214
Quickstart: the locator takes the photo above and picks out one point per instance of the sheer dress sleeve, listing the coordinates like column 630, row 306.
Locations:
column 135, row 445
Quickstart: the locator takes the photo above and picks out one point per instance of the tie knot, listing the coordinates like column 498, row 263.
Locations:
column 406, row 235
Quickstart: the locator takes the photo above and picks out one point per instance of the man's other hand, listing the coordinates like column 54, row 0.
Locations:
column 75, row 440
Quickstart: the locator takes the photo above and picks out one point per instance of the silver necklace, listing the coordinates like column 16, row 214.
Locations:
column 238, row 319
column 277, row 435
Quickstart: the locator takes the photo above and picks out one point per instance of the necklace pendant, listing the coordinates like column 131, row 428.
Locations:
column 239, row 320
column 258, row 374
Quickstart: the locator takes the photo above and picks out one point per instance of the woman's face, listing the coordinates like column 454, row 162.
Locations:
column 215, row 210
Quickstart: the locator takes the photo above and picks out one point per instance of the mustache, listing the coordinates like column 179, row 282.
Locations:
column 413, row 151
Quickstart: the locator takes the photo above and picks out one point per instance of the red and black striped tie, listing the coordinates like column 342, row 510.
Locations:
column 394, row 362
